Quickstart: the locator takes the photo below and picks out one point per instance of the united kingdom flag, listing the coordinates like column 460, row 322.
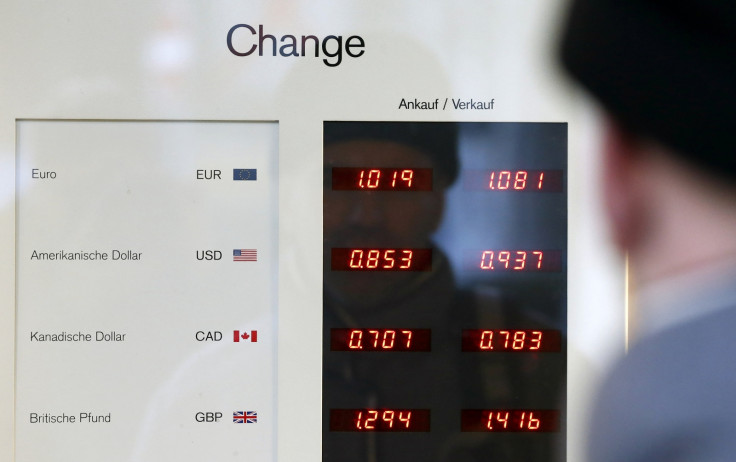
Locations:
column 245, row 417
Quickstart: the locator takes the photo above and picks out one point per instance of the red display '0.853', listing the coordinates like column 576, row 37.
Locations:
column 370, row 259
column 380, row 339
column 381, row 179
column 510, row 420
column 379, row 420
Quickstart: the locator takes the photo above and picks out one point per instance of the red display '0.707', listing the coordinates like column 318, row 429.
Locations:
column 380, row 339
column 511, row 340
column 379, row 420
column 370, row 259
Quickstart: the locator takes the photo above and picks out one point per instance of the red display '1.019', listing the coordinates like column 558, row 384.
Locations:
column 381, row 179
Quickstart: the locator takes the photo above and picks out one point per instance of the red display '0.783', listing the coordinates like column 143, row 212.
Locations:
column 379, row 420
column 380, row 340
column 370, row 259
column 381, row 179
column 511, row 340
column 510, row 420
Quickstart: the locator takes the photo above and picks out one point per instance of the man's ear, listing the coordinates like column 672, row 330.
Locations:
column 622, row 192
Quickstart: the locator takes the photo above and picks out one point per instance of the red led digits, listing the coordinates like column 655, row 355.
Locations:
column 371, row 179
column 515, row 260
column 379, row 420
column 516, row 180
column 385, row 418
column 370, row 259
column 380, row 340
column 510, row 420
column 518, row 260
column 511, row 180
column 511, row 340
column 499, row 420
column 367, row 259
column 381, row 179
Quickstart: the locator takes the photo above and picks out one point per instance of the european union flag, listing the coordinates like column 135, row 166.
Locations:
column 240, row 174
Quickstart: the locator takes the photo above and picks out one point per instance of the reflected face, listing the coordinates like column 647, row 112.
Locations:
column 378, row 219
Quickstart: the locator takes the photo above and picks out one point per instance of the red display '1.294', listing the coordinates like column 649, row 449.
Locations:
column 379, row 420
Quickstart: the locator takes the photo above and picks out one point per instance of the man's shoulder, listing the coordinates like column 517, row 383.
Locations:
column 691, row 353
column 672, row 393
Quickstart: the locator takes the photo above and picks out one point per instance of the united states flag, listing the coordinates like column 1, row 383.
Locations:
column 245, row 255
column 245, row 417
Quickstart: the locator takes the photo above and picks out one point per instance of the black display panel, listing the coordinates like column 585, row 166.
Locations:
column 445, row 303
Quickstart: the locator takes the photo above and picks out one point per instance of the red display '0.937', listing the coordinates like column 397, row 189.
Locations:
column 368, row 259
column 379, row 420
column 381, row 179
column 501, row 260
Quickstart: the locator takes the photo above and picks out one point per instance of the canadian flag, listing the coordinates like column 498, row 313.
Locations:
column 253, row 336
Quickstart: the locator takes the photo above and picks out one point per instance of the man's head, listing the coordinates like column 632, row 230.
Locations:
column 664, row 69
column 664, row 72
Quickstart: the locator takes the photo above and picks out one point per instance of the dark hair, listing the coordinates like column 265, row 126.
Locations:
column 664, row 69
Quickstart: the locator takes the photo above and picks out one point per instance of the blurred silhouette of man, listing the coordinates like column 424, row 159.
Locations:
column 664, row 71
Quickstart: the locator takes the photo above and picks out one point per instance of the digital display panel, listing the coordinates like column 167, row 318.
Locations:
column 380, row 420
column 511, row 340
column 381, row 339
column 444, row 243
column 515, row 180
column 510, row 420
column 502, row 260
column 381, row 179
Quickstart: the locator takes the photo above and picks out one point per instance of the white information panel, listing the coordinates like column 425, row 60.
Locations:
column 164, row 171
column 146, row 300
